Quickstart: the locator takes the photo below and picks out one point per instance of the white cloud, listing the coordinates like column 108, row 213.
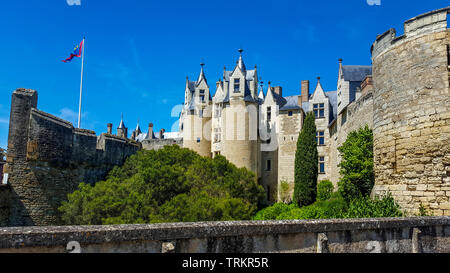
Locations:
column 73, row 2
column 70, row 115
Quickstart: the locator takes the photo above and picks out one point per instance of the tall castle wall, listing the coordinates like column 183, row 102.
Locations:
column 358, row 114
column 48, row 158
column 412, row 114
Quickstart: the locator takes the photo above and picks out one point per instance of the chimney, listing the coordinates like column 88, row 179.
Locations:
column 305, row 91
column 161, row 133
column 150, row 131
column 109, row 128
column 125, row 133
column 278, row 90
column 367, row 85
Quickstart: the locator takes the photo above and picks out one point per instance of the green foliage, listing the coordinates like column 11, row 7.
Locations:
column 169, row 185
column 284, row 192
column 365, row 207
column 306, row 164
column 423, row 211
column 272, row 212
column 333, row 208
column 324, row 190
column 357, row 165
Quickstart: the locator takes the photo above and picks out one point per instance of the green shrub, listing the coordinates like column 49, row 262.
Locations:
column 324, row 190
column 306, row 164
column 365, row 207
column 272, row 212
column 169, row 185
column 357, row 165
column 284, row 192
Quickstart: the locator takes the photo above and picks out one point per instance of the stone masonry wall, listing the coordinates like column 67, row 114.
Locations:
column 388, row 235
column 412, row 114
column 358, row 114
column 48, row 158
column 157, row 144
column 4, row 205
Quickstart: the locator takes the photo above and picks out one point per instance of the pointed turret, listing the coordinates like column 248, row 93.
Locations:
column 202, row 77
column 261, row 91
column 138, row 129
column 240, row 63
column 122, row 124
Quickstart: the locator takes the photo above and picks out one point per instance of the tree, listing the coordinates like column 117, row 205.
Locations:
column 306, row 164
column 169, row 185
column 357, row 165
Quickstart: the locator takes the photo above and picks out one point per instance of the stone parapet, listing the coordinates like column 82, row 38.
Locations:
column 393, row 235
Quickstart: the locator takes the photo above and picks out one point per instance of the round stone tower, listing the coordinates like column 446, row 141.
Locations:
column 412, row 114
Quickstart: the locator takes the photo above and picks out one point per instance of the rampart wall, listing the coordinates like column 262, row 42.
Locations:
column 412, row 114
column 48, row 158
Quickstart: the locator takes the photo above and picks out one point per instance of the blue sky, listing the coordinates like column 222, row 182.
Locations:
column 138, row 53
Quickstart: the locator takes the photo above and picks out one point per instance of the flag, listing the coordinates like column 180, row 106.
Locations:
column 76, row 52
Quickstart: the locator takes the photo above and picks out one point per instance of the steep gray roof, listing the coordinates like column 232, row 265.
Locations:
column 305, row 106
column 356, row 73
column 291, row 103
column 332, row 99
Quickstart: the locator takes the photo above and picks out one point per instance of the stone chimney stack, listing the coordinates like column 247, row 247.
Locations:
column 109, row 128
column 278, row 90
column 161, row 133
column 304, row 97
column 150, row 131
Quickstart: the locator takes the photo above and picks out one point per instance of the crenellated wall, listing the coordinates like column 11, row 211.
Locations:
column 412, row 114
column 48, row 158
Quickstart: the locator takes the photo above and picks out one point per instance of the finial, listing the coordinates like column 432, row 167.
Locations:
column 202, row 64
column 340, row 60
column 240, row 50
column 318, row 79
column 269, row 83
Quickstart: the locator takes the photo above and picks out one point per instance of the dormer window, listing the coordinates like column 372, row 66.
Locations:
column 319, row 110
column 269, row 114
column 237, row 85
column 202, row 95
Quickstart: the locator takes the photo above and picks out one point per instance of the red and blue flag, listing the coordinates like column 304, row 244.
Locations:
column 76, row 52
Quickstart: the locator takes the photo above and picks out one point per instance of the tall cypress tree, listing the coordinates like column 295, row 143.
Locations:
column 306, row 164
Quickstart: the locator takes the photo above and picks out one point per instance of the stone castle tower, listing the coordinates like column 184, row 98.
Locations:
column 226, row 124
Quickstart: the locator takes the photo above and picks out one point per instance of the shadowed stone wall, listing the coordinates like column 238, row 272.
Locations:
column 391, row 235
column 412, row 114
column 48, row 158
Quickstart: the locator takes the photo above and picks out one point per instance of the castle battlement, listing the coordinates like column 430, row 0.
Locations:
column 47, row 159
column 430, row 22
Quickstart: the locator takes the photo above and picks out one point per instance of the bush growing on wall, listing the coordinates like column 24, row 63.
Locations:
column 357, row 165
column 306, row 164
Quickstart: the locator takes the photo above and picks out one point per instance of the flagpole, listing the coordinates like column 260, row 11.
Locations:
column 81, row 84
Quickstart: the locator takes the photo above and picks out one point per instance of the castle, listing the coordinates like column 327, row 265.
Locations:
column 259, row 130
column 404, row 97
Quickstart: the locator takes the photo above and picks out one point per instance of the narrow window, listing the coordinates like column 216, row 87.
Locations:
column 269, row 114
column 290, row 113
column 320, row 138
column 322, row 165
column 198, row 140
column 237, row 85
column 268, row 193
column 269, row 165
column 202, row 95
